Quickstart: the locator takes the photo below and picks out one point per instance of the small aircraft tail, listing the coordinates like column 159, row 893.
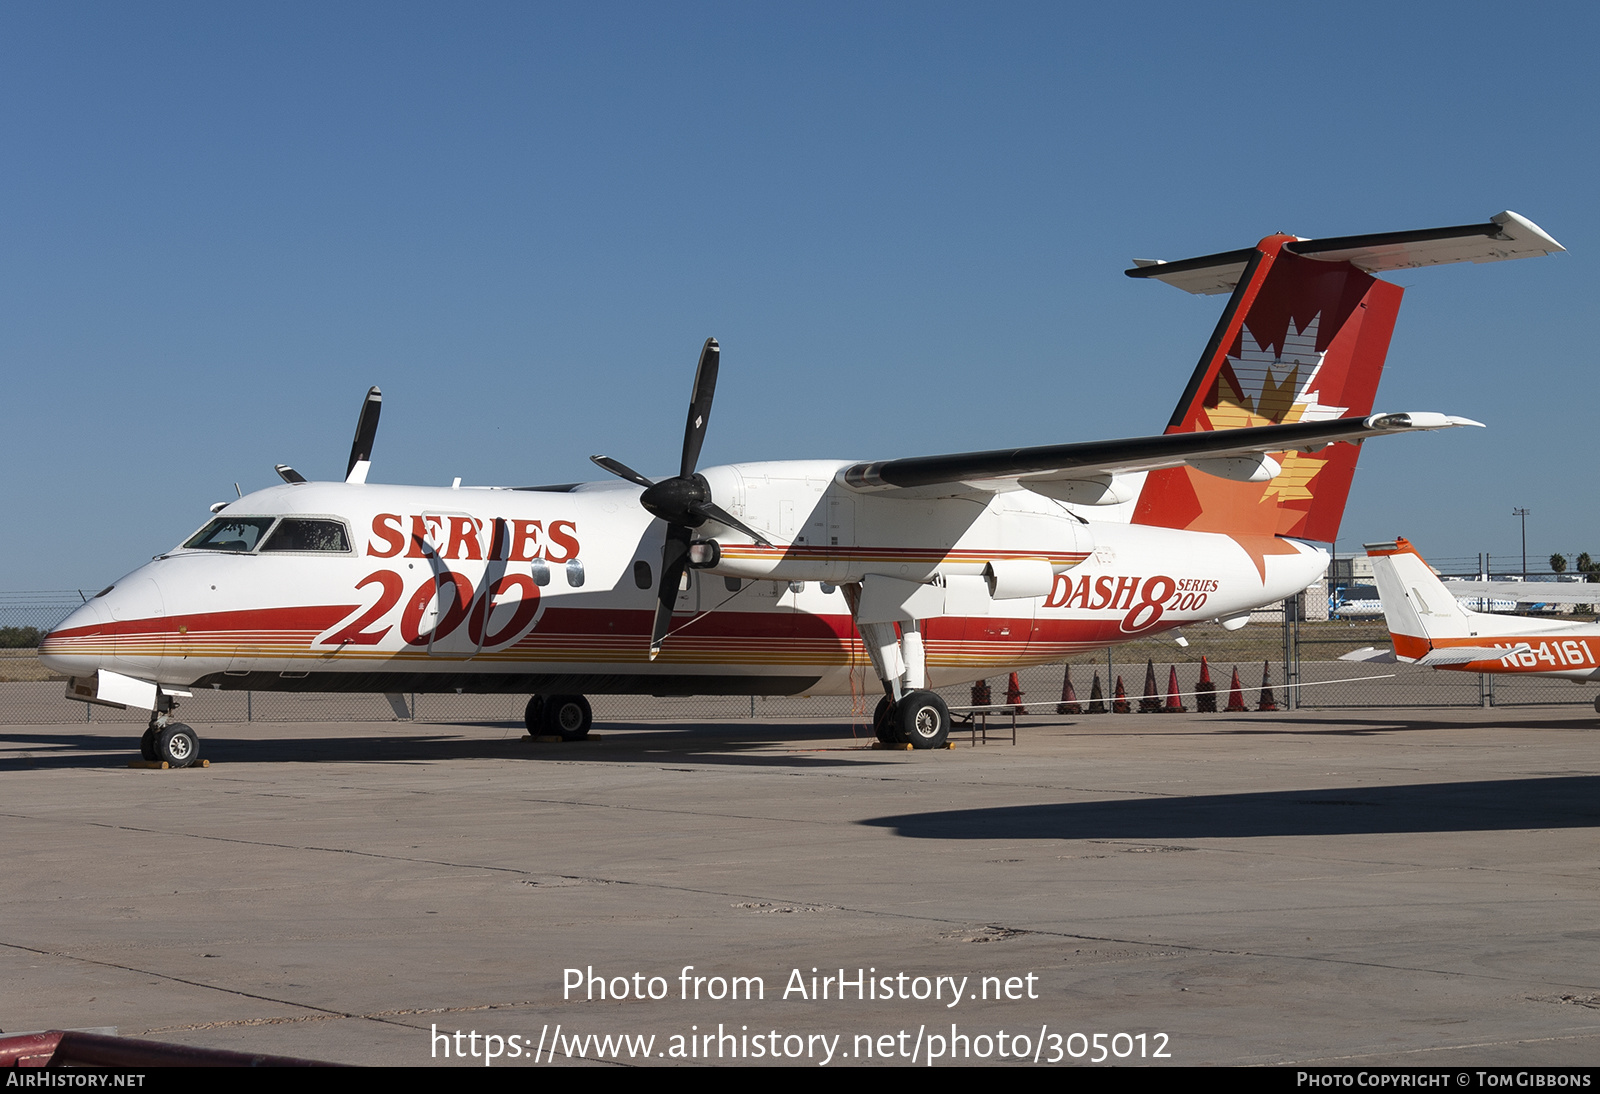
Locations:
column 1428, row 625
column 1416, row 605
column 1303, row 338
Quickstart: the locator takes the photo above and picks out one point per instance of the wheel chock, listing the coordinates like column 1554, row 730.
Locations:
column 888, row 747
column 162, row 765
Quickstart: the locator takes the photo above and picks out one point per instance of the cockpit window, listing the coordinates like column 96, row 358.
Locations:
column 230, row 534
column 302, row 534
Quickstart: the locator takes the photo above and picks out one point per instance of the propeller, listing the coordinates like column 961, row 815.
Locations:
column 683, row 501
column 360, row 448
column 366, row 433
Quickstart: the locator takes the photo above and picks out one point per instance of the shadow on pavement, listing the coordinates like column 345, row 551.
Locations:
column 1568, row 801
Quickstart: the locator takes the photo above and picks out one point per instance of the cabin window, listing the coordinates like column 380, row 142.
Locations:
column 732, row 584
column 540, row 572
column 302, row 534
column 239, row 534
column 641, row 574
column 575, row 573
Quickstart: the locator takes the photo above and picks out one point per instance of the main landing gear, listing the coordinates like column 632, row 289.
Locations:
column 564, row 716
column 908, row 713
column 165, row 740
column 920, row 719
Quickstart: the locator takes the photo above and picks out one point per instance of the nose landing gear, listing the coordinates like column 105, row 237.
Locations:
column 178, row 745
column 165, row 740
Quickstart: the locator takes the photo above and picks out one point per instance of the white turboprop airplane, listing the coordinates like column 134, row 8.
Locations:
column 798, row 577
column 1430, row 627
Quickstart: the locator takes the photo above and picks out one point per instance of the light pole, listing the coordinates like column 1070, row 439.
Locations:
column 1523, row 513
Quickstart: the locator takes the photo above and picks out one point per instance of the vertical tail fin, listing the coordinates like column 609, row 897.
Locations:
column 1416, row 605
column 1303, row 338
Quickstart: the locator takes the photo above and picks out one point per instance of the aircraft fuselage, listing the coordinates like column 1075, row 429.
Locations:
column 554, row 590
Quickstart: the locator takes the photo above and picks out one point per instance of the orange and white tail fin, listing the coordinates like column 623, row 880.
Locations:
column 1423, row 615
column 1303, row 338
column 1416, row 605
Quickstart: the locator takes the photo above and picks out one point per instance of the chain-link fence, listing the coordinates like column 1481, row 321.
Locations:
column 1280, row 648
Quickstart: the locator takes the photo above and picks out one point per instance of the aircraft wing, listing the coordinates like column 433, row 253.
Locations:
column 1051, row 470
column 1506, row 235
column 1528, row 592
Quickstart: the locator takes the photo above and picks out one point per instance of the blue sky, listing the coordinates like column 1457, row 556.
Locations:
column 906, row 224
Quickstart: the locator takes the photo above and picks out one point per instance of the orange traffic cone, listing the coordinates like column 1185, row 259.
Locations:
column 1206, row 699
column 1173, row 706
column 1267, row 701
column 1235, row 695
column 1014, row 694
column 980, row 694
column 1119, row 700
column 1069, row 700
column 1097, row 697
column 1150, row 703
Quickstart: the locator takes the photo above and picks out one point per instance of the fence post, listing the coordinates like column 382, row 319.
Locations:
column 1485, row 690
column 249, row 712
column 1291, row 652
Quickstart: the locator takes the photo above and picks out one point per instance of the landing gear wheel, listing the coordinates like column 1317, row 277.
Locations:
column 178, row 745
column 568, row 717
column 921, row 720
column 147, row 744
column 883, row 721
column 533, row 716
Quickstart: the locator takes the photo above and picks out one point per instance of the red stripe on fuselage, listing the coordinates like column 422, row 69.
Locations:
column 315, row 618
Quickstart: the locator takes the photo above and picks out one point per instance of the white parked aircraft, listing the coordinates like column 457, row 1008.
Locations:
column 799, row 577
column 1429, row 626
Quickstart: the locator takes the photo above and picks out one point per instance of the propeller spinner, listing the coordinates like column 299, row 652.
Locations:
column 683, row 501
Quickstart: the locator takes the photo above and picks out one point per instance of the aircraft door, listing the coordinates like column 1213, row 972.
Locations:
column 841, row 525
column 437, row 609
column 691, row 592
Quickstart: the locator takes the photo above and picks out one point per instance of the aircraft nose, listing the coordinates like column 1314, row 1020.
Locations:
column 80, row 642
column 122, row 629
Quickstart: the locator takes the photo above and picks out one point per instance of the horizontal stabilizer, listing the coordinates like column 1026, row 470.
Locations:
column 1371, row 655
column 1448, row 655
column 1505, row 236
column 1461, row 655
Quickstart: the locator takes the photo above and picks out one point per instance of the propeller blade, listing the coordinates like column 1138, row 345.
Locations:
column 717, row 513
column 622, row 471
column 366, row 433
column 674, row 560
column 705, row 387
column 288, row 474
